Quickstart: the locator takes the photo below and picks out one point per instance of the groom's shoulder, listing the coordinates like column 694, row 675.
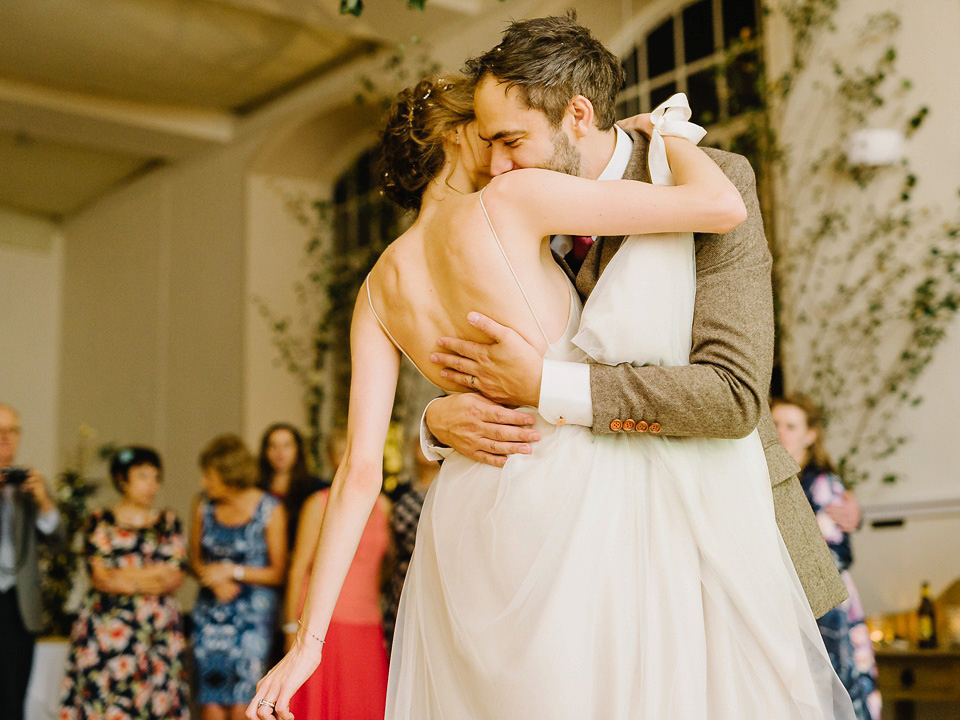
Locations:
column 735, row 166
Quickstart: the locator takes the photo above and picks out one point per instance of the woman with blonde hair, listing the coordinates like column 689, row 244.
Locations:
column 800, row 425
column 238, row 550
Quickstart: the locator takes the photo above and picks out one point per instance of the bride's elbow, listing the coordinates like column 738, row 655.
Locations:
column 359, row 479
column 731, row 211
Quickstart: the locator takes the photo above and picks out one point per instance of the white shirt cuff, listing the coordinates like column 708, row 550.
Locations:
column 565, row 393
column 432, row 448
column 48, row 521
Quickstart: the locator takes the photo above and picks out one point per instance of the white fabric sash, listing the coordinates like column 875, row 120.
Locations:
column 641, row 310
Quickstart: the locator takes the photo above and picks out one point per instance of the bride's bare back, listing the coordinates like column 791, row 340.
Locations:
column 448, row 264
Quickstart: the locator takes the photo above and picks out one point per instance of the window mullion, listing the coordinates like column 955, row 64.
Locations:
column 723, row 91
column 643, row 74
column 679, row 54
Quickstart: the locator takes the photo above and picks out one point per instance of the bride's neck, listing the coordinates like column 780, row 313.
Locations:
column 453, row 180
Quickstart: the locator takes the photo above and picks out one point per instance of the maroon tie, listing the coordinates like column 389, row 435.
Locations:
column 581, row 246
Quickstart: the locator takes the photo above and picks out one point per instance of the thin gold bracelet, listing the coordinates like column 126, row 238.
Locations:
column 315, row 637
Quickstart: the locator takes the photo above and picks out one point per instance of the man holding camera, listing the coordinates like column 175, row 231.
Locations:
column 27, row 513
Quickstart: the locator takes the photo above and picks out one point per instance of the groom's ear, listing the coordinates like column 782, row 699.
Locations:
column 580, row 115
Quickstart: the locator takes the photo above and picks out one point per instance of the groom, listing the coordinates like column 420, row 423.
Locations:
column 545, row 97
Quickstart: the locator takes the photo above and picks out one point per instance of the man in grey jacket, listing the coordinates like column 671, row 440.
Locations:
column 524, row 86
column 27, row 514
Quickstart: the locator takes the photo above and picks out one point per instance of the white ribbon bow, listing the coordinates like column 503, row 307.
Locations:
column 672, row 117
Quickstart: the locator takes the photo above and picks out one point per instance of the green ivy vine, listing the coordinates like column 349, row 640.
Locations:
column 867, row 277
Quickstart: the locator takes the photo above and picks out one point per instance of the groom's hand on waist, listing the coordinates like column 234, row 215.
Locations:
column 479, row 428
column 507, row 369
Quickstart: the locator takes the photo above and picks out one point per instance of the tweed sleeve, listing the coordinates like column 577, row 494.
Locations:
column 723, row 390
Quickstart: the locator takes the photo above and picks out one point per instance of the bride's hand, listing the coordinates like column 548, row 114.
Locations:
column 274, row 691
column 640, row 123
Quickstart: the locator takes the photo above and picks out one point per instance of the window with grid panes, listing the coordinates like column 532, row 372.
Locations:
column 712, row 51
column 686, row 52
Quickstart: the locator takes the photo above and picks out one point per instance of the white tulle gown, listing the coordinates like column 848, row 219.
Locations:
column 611, row 577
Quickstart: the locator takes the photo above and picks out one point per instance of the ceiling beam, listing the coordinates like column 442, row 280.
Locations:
column 131, row 127
column 323, row 14
column 371, row 25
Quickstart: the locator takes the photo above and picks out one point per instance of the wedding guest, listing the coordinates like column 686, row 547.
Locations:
column 799, row 424
column 126, row 645
column 25, row 504
column 351, row 682
column 238, row 549
column 404, row 520
column 285, row 471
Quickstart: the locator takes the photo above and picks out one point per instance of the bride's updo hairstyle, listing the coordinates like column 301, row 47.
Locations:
column 411, row 150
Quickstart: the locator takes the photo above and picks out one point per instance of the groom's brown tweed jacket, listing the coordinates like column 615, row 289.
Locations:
column 723, row 392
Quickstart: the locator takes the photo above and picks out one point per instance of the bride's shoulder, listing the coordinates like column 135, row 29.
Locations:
column 390, row 267
column 515, row 188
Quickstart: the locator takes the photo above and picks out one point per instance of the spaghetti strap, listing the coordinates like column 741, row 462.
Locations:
column 513, row 272
column 383, row 327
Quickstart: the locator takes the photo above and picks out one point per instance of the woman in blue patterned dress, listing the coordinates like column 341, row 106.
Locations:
column 844, row 630
column 238, row 549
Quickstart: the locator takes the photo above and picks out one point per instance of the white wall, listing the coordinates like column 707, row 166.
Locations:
column 153, row 315
column 31, row 265
column 891, row 563
column 276, row 243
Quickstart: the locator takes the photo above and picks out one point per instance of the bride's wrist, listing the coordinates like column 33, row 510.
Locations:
column 308, row 639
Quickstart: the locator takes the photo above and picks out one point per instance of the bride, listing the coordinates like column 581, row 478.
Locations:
column 601, row 576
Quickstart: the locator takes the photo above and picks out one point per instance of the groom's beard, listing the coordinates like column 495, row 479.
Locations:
column 566, row 158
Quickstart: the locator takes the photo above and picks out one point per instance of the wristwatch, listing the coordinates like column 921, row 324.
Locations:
column 238, row 573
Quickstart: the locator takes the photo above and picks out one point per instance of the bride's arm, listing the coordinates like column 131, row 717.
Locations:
column 545, row 203
column 375, row 366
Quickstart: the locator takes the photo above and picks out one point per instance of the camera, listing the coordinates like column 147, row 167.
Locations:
column 14, row 475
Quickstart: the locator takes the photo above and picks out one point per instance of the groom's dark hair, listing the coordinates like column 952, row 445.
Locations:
column 552, row 60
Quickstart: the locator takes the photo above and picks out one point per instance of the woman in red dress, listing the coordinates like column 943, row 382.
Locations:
column 351, row 683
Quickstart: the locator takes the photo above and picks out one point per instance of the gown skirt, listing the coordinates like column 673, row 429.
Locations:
column 623, row 576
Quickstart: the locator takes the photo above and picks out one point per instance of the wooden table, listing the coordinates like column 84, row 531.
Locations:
column 909, row 677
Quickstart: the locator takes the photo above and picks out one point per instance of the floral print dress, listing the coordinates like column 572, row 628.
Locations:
column 843, row 628
column 125, row 658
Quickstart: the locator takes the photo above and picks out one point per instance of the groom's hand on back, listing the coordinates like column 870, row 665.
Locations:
column 506, row 370
column 480, row 429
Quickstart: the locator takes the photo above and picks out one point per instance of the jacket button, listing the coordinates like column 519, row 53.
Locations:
column 655, row 427
column 642, row 426
column 616, row 425
column 628, row 425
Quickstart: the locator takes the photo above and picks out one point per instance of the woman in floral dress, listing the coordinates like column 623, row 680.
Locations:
column 238, row 548
column 844, row 629
column 125, row 661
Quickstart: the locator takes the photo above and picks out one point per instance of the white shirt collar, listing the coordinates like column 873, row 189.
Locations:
column 622, row 151
column 616, row 167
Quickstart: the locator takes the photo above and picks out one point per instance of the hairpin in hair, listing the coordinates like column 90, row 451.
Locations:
column 125, row 455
